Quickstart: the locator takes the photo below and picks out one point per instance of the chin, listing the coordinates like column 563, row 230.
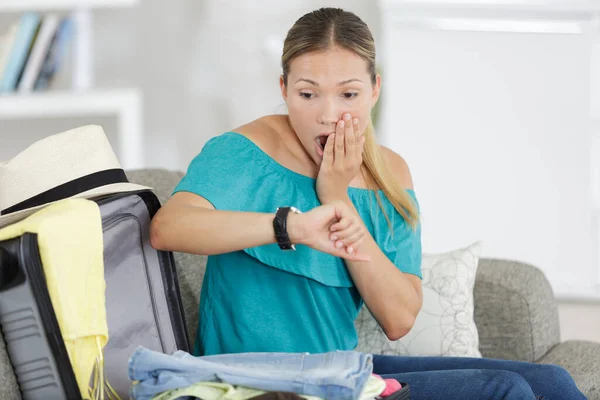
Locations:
column 317, row 160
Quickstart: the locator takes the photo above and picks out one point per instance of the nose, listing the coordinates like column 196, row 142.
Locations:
column 329, row 114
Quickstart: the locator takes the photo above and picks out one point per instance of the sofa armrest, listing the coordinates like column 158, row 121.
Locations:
column 515, row 311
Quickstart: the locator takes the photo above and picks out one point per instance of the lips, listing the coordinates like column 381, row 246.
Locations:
column 322, row 139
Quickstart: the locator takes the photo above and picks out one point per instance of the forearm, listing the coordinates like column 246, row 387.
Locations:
column 387, row 291
column 198, row 230
column 389, row 295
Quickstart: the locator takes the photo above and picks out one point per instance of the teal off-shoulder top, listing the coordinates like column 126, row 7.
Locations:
column 263, row 299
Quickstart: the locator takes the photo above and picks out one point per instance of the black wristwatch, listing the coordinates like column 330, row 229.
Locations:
column 280, row 227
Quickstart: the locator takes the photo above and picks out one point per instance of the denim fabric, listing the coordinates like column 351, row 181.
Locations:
column 459, row 378
column 339, row 375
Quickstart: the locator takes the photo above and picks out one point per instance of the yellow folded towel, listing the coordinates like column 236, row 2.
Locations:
column 71, row 249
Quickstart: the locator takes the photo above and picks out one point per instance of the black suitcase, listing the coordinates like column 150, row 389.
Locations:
column 143, row 303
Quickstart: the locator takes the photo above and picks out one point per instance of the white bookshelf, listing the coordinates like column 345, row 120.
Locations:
column 126, row 104
column 46, row 5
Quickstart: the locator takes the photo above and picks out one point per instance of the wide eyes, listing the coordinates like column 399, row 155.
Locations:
column 345, row 95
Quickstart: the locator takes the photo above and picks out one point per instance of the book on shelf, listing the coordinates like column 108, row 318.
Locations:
column 5, row 46
column 39, row 50
column 31, row 51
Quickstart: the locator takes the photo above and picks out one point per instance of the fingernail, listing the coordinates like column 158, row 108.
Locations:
column 334, row 238
column 341, row 124
column 347, row 117
column 355, row 121
column 350, row 250
column 339, row 245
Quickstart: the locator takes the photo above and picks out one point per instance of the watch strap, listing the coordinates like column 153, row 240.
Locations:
column 280, row 227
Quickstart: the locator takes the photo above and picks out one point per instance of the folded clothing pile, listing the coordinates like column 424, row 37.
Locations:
column 339, row 375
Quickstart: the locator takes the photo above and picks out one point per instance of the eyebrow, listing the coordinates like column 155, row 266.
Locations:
column 339, row 84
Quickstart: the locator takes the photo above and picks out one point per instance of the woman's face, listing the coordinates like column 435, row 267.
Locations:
column 321, row 88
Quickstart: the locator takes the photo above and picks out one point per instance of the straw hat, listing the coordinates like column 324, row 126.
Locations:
column 78, row 163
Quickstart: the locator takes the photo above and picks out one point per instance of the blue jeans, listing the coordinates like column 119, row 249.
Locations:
column 458, row 378
column 334, row 375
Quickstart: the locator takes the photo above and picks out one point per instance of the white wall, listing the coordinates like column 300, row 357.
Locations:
column 496, row 128
column 579, row 321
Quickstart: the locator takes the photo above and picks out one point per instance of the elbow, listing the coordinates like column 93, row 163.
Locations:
column 399, row 323
column 157, row 231
column 400, row 327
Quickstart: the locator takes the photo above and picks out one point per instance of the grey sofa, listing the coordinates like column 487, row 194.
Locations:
column 515, row 310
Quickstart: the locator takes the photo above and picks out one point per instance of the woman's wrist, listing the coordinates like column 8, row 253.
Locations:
column 294, row 228
column 328, row 199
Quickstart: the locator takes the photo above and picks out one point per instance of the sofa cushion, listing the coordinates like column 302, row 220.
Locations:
column 190, row 272
column 582, row 360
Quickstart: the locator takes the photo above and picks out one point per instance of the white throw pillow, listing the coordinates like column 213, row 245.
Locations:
column 445, row 325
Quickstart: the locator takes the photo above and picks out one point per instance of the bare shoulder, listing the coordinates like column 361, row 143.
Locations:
column 398, row 166
column 263, row 132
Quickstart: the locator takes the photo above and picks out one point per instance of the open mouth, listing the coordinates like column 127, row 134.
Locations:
column 322, row 140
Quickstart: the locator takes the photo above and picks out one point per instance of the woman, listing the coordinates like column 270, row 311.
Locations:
column 355, row 219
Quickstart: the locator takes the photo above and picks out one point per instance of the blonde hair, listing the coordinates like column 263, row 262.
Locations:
column 324, row 29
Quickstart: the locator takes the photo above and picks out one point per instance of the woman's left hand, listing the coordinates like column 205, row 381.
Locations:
column 342, row 158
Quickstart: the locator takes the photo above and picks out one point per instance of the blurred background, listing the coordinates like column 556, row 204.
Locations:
column 494, row 104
